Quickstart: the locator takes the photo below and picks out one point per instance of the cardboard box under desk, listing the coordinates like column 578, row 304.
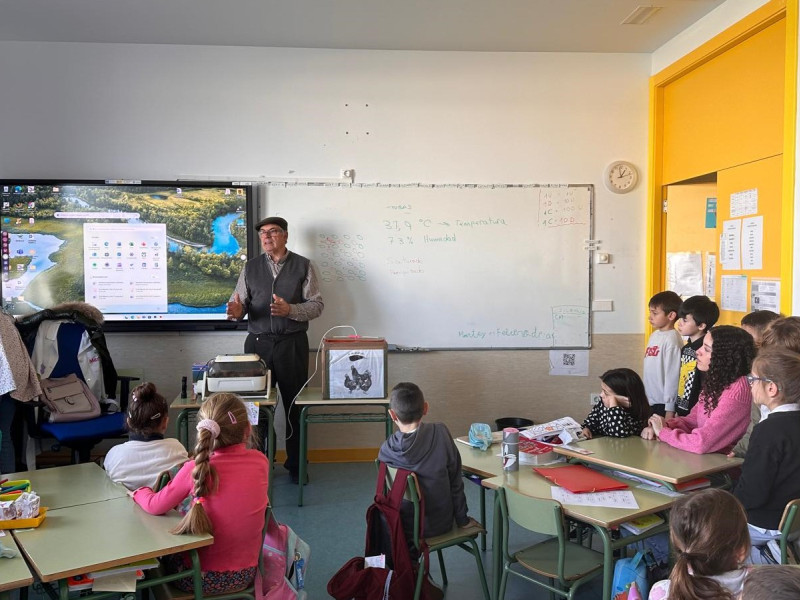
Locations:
column 354, row 368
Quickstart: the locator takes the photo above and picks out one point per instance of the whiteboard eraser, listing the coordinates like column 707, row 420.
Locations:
column 602, row 305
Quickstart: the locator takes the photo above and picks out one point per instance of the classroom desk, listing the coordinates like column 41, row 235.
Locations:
column 312, row 397
column 78, row 539
column 14, row 572
column 650, row 459
column 71, row 485
column 487, row 464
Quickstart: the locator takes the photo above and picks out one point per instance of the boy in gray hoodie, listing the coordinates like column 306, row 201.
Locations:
column 429, row 451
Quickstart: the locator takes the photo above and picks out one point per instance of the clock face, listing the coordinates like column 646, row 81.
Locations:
column 621, row 177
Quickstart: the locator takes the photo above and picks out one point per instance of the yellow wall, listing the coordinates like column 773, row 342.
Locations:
column 729, row 111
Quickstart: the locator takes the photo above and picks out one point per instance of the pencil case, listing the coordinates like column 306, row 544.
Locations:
column 18, row 486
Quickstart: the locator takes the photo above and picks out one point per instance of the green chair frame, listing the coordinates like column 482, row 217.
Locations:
column 790, row 531
column 163, row 479
column 566, row 565
column 463, row 537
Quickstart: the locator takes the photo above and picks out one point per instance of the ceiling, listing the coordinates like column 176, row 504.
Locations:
column 476, row 25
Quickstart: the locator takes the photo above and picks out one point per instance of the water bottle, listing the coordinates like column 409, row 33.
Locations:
column 509, row 449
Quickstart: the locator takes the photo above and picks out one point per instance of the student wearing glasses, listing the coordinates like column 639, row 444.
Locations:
column 771, row 469
column 279, row 292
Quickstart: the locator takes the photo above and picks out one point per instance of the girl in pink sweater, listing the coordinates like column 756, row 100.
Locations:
column 721, row 416
column 228, row 485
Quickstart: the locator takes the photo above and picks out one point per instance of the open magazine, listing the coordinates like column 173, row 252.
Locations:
column 565, row 430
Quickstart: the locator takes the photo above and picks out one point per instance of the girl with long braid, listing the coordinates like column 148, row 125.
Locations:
column 228, row 487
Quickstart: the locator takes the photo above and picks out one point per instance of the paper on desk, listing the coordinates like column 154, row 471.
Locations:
column 252, row 412
column 612, row 499
column 120, row 582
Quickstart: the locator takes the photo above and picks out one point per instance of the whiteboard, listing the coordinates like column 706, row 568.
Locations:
column 446, row 265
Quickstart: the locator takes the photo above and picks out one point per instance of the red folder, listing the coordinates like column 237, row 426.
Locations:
column 579, row 479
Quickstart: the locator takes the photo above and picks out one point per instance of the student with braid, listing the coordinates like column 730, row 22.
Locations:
column 139, row 461
column 708, row 531
column 228, row 485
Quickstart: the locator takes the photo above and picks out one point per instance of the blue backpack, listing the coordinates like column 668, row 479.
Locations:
column 629, row 570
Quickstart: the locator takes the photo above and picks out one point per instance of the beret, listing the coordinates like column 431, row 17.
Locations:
column 279, row 221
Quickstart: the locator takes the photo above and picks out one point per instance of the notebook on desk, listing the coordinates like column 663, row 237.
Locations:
column 580, row 479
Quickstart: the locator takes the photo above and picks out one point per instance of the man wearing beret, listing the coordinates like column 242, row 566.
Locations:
column 280, row 294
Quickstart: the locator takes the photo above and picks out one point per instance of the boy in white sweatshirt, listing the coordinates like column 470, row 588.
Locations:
column 662, row 359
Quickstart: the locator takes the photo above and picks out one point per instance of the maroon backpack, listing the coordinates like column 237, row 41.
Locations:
column 397, row 580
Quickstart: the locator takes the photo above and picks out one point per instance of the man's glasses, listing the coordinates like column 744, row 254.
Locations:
column 269, row 232
column 751, row 379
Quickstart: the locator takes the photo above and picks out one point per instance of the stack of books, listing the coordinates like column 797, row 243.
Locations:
column 694, row 484
column 86, row 582
column 642, row 524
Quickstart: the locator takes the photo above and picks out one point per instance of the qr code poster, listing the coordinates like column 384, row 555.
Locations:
column 569, row 362
column 356, row 374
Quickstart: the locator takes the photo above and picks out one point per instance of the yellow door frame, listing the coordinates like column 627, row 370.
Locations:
column 758, row 20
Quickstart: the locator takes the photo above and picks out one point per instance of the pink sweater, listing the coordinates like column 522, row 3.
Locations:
column 236, row 508
column 703, row 434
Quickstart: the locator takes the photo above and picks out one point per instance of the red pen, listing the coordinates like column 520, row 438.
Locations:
column 3, row 481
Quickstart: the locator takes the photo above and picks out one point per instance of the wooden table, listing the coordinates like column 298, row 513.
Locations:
column 650, row 459
column 71, row 485
column 312, row 397
column 87, row 537
column 14, row 572
column 487, row 464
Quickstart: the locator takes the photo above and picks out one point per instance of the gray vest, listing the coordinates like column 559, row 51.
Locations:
column 260, row 287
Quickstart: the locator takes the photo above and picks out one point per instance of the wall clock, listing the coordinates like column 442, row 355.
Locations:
column 620, row 177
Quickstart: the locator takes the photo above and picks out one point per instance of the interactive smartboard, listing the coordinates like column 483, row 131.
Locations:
column 446, row 266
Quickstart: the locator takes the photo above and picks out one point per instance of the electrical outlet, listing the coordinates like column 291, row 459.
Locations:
column 594, row 399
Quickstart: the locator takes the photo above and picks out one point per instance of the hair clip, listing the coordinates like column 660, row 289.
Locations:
column 155, row 416
column 198, row 500
column 232, row 418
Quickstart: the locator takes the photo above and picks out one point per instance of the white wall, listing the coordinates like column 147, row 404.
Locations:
column 703, row 30
column 162, row 112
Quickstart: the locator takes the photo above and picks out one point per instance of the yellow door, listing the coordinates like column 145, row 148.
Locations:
column 686, row 230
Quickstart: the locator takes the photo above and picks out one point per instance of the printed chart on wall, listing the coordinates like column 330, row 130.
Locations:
column 448, row 266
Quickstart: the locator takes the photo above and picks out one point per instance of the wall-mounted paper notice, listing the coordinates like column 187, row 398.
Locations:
column 569, row 362
column 685, row 273
column 765, row 294
column 744, row 203
column 711, row 275
column 752, row 242
column 730, row 246
column 733, row 295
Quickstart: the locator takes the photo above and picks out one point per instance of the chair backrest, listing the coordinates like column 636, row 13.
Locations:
column 412, row 494
column 790, row 522
column 163, row 479
column 68, row 340
column 540, row 515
